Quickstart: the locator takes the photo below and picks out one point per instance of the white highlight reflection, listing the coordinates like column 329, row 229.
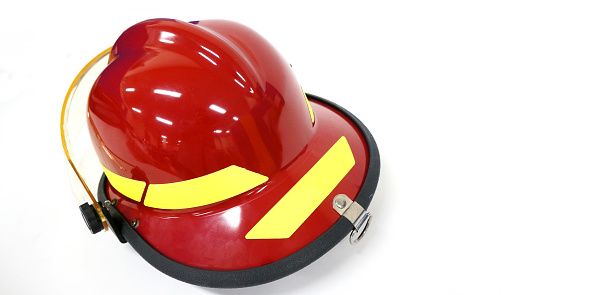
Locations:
column 240, row 76
column 164, row 120
column 233, row 217
column 203, row 55
column 167, row 92
column 167, row 37
column 209, row 51
column 217, row 109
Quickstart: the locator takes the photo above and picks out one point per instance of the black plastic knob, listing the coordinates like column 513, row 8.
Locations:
column 92, row 218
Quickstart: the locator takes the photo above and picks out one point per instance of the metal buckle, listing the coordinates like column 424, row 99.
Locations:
column 355, row 213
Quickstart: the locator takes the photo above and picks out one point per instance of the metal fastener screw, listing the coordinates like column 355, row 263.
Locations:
column 113, row 202
column 134, row 223
column 340, row 202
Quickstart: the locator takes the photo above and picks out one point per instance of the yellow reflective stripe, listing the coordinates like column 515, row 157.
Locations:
column 309, row 106
column 306, row 195
column 131, row 188
column 204, row 190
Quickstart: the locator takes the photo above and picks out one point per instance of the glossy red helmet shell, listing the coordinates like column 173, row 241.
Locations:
column 191, row 99
column 180, row 101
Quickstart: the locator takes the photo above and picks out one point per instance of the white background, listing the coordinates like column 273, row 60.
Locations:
column 479, row 108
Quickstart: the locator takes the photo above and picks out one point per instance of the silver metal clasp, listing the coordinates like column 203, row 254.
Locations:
column 355, row 213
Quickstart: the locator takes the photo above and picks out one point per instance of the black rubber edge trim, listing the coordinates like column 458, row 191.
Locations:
column 265, row 273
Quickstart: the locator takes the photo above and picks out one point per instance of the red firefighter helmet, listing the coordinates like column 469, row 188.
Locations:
column 218, row 169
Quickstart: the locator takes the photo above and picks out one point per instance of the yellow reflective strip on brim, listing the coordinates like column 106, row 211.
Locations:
column 204, row 190
column 306, row 195
column 309, row 106
column 130, row 188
